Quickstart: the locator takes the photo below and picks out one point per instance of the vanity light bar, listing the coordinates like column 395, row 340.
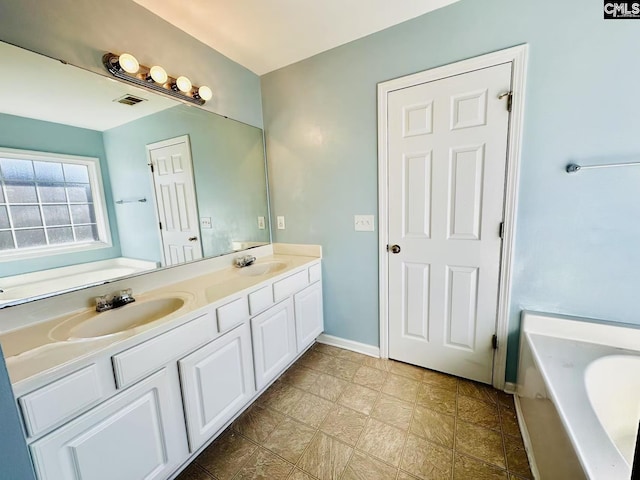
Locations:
column 126, row 67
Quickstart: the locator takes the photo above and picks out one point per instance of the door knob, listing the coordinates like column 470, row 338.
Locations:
column 192, row 239
column 394, row 248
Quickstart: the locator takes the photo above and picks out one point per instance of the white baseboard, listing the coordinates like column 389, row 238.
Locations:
column 349, row 345
column 526, row 438
column 510, row 387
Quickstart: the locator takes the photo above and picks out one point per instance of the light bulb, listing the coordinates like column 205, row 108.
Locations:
column 128, row 63
column 158, row 74
column 205, row 93
column 183, row 84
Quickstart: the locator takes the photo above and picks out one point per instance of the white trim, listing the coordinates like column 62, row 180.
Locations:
column 99, row 206
column 526, row 438
column 510, row 388
column 358, row 347
column 517, row 56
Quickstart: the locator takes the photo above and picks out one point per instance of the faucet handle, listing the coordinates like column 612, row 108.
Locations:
column 123, row 297
column 104, row 302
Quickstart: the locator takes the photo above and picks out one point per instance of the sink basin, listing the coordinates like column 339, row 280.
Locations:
column 92, row 324
column 261, row 269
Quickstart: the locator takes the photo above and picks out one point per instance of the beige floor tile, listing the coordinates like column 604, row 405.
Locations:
column 326, row 349
column 481, row 443
column 517, row 460
column 510, row 422
column 264, row 465
column 402, row 475
column 344, row 424
column 465, row 468
column 315, row 360
column 359, row 398
column 328, row 386
column 440, row 380
column 311, row 410
column 194, row 472
column 326, row 457
column 382, row 441
column 370, row 377
column 406, row 370
column 343, row 369
column 436, row 398
column 282, row 398
column 378, row 363
column 393, row 411
column 478, row 391
column 226, row 456
column 300, row 475
column 478, row 412
column 433, row 426
column 352, row 356
column 400, row 387
column 426, row 460
column 289, row 439
column 363, row 467
column 505, row 400
column 300, row 377
column 257, row 423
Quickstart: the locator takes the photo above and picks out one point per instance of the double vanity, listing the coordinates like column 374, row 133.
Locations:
column 137, row 392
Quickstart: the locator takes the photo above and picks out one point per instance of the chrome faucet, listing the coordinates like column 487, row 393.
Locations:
column 245, row 261
column 116, row 300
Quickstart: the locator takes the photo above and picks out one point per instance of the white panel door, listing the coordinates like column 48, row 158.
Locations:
column 447, row 163
column 274, row 341
column 217, row 381
column 176, row 200
column 134, row 436
column 309, row 316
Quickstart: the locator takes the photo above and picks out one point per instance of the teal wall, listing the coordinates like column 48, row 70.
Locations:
column 29, row 134
column 81, row 31
column 577, row 236
column 228, row 165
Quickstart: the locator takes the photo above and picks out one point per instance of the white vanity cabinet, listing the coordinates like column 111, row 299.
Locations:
column 217, row 381
column 135, row 435
column 309, row 315
column 274, row 341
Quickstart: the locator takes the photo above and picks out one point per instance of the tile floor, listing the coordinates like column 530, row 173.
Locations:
column 336, row 414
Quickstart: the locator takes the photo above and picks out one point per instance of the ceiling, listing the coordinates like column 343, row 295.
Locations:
column 264, row 35
column 54, row 92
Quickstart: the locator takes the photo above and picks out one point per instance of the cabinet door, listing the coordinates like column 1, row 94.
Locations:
column 274, row 341
column 309, row 316
column 134, row 436
column 217, row 381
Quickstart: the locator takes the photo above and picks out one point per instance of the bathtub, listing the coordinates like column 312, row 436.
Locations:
column 38, row 284
column 588, row 372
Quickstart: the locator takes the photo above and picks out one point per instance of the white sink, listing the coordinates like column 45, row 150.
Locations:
column 91, row 324
column 261, row 269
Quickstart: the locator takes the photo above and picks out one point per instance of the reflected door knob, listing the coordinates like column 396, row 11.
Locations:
column 192, row 239
column 394, row 249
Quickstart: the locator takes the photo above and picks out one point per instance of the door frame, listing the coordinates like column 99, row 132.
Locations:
column 518, row 57
column 161, row 144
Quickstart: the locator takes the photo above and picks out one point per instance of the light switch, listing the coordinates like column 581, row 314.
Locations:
column 280, row 222
column 364, row 223
column 205, row 222
column 261, row 223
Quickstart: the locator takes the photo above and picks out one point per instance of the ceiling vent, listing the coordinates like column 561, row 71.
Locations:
column 129, row 100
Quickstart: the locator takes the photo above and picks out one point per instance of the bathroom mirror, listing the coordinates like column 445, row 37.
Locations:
column 171, row 182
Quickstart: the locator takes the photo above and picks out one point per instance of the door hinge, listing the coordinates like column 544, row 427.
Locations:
column 160, row 223
column 509, row 96
column 501, row 230
column 494, row 341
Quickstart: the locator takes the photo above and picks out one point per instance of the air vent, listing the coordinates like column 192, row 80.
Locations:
column 129, row 100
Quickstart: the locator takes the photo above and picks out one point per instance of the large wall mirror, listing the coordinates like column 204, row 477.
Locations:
column 100, row 179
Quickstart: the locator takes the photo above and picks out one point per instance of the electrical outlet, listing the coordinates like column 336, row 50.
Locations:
column 364, row 223
column 280, row 220
column 205, row 222
column 261, row 225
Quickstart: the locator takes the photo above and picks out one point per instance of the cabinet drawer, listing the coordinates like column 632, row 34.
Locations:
column 141, row 360
column 61, row 400
column 287, row 286
column 260, row 300
column 232, row 314
column 315, row 273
